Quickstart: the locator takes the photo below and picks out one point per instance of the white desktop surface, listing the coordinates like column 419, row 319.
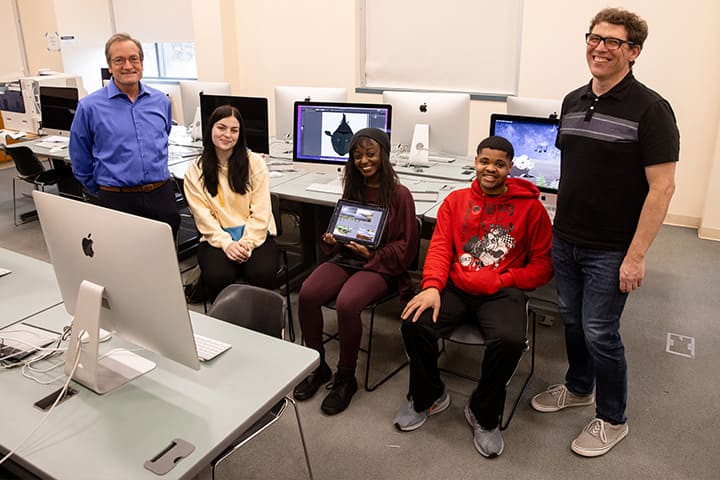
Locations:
column 297, row 188
column 30, row 287
column 111, row 436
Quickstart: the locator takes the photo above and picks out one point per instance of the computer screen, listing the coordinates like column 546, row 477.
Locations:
column 57, row 109
column 285, row 98
column 119, row 272
column 11, row 97
column 190, row 96
column 322, row 130
column 534, row 107
column 536, row 157
column 447, row 115
column 254, row 112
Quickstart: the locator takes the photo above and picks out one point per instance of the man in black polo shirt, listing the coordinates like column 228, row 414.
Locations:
column 619, row 143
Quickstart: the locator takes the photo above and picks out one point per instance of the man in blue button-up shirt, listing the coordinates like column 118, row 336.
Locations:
column 119, row 139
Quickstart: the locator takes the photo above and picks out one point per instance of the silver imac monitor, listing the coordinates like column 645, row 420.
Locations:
column 190, row 96
column 119, row 272
column 446, row 114
column 534, row 107
column 285, row 98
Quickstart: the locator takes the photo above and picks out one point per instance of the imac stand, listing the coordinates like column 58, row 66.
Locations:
column 104, row 373
column 420, row 146
column 195, row 126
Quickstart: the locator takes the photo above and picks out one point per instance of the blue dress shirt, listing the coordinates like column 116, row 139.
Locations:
column 115, row 142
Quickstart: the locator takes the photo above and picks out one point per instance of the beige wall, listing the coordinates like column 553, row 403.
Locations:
column 35, row 27
column 257, row 45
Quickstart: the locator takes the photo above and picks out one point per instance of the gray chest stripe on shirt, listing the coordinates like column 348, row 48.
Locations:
column 600, row 127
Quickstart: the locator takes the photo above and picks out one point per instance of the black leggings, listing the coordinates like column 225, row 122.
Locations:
column 218, row 271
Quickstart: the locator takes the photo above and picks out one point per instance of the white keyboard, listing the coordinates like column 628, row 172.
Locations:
column 332, row 187
column 209, row 348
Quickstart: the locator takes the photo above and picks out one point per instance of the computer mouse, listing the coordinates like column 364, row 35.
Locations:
column 275, row 174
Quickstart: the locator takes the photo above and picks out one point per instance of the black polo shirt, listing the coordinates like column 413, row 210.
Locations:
column 606, row 142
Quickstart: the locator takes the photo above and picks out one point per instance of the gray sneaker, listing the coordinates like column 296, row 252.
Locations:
column 489, row 443
column 407, row 419
column 557, row 397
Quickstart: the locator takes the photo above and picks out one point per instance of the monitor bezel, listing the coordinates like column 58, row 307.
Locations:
column 495, row 117
column 338, row 161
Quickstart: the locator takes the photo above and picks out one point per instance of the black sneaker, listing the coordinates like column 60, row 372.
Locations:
column 341, row 391
column 307, row 388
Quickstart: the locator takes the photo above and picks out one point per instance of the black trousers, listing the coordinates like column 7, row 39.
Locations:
column 218, row 271
column 158, row 205
column 502, row 318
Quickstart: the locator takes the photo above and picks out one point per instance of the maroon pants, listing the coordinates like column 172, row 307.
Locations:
column 352, row 290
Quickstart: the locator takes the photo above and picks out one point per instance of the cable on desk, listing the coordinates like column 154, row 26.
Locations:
column 60, row 396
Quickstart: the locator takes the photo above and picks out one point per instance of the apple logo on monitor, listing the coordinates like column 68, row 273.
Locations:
column 87, row 246
column 423, row 108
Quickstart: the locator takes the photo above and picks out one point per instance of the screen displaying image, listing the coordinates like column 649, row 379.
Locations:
column 537, row 159
column 323, row 130
column 358, row 223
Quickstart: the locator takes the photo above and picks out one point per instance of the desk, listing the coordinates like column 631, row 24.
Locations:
column 111, row 436
column 29, row 289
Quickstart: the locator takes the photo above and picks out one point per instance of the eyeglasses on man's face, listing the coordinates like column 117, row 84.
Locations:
column 611, row 43
column 120, row 61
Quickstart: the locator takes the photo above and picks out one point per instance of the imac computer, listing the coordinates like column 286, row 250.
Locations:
column 57, row 109
column 190, row 91
column 322, row 130
column 536, row 157
column 534, row 107
column 438, row 123
column 254, row 112
column 119, row 272
column 285, row 98
column 56, row 79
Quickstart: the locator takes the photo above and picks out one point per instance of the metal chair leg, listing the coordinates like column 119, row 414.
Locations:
column 302, row 435
column 368, row 387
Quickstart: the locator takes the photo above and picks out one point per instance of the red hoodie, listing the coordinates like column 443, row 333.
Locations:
column 485, row 243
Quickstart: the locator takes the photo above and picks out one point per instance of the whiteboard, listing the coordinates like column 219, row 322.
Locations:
column 468, row 46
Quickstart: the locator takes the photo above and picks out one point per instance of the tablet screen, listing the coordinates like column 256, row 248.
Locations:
column 357, row 222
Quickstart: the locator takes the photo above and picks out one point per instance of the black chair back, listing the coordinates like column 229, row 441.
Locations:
column 251, row 307
column 27, row 164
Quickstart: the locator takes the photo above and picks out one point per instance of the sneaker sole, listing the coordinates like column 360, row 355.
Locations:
column 466, row 411
column 439, row 409
column 599, row 451
column 549, row 409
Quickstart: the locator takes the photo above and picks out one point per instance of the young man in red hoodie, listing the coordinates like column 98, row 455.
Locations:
column 491, row 243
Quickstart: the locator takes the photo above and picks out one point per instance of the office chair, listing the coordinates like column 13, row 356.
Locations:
column 470, row 334
column 283, row 274
column 263, row 311
column 31, row 170
column 372, row 307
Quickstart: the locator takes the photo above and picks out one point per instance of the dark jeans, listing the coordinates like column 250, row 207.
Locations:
column 502, row 318
column 218, row 271
column 158, row 205
column 590, row 304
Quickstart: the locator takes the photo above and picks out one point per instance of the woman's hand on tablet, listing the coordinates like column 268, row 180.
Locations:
column 361, row 250
column 329, row 239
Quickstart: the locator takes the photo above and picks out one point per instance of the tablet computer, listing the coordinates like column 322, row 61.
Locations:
column 358, row 222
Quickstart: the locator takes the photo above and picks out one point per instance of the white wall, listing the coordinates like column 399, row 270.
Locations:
column 11, row 65
column 257, row 45
column 315, row 43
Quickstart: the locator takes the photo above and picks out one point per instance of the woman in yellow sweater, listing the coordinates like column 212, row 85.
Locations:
column 228, row 191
